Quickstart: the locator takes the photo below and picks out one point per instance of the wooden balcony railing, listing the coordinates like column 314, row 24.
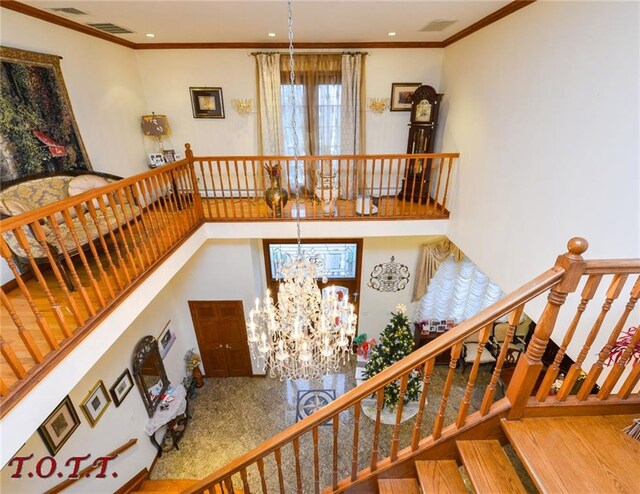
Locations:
column 329, row 187
column 82, row 256
column 96, row 247
column 328, row 474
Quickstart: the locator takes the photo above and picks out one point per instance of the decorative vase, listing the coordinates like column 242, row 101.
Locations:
column 197, row 377
column 276, row 198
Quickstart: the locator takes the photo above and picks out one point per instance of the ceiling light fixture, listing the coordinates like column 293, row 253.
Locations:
column 392, row 33
column 151, row 35
column 307, row 333
column 272, row 35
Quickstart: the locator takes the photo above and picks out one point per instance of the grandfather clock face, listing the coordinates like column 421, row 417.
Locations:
column 423, row 111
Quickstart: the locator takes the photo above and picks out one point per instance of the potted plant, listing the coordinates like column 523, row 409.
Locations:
column 192, row 365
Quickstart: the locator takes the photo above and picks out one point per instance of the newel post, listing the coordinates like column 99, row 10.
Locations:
column 530, row 364
column 188, row 153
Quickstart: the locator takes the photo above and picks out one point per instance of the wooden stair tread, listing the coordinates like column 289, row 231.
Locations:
column 398, row 486
column 440, row 476
column 489, row 468
column 577, row 454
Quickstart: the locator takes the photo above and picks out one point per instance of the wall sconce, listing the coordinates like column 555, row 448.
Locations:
column 156, row 126
column 242, row 106
column 378, row 105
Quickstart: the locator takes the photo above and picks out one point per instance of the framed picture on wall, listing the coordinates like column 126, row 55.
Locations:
column 206, row 102
column 121, row 387
column 402, row 95
column 95, row 403
column 166, row 339
column 59, row 426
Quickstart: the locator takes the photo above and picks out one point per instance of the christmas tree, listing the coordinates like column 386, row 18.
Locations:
column 396, row 342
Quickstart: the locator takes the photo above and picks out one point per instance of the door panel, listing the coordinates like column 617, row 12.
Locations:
column 222, row 338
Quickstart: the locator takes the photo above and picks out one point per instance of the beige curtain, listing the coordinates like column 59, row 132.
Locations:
column 431, row 257
column 269, row 104
column 351, row 119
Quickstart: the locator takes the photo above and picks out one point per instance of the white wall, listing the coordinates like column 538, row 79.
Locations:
column 543, row 106
column 104, row 86
column 168, row 74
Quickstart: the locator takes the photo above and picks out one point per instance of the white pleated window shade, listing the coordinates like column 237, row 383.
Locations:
column 458, row 290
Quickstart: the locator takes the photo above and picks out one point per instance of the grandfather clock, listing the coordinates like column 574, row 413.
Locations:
column 425, row 108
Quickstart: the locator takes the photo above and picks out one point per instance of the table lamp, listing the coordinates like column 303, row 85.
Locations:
column 156, row 126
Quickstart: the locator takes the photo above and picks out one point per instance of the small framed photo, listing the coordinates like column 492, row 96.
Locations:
column 177, row 156
column 441, row 328
column 168, row 156
column 166, row 339
column 156, row 159
column 402, row 95
column 121, row 387
column 58, row 427
column 95, row 403
column 206, row 102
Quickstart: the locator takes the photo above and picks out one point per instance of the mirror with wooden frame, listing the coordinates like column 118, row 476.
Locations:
column 149, row 373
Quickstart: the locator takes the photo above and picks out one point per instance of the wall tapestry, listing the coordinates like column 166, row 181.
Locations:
column 389, row 276
column 38, row 132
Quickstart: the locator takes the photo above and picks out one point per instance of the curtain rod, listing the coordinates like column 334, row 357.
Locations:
column 254, row 53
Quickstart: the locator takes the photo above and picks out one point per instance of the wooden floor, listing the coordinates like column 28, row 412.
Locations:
column 578, row 454
column 248, row 209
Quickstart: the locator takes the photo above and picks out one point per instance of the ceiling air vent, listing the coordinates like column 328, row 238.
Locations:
column 69, row 10
column 107, row 27
column 437, row 25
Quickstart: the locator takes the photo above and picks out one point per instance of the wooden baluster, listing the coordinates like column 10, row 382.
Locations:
column 396, row 199
column 40, row 320
column 296, row 457
column 356, row 436
column 597, row 367
column 316, row 461
column 230, row 188
column 121, row 263
column 382, row 163
column 187, row 193
column 222, row 195
column 22, row 241
column 490, row 392
column 229, row 485
column 115, row 225
column 588, row 292
column 171, row 206
column 422, row 191
column 434, row 210
column 439, row 420
column 426, row 379
column 619, row 367
column 336, row 426
column 171, row 180
column 263, row 481
column 255, row 203
column 206, row 189
column 630, row 383
column 246, row 187
column 466, row 399
column 24, row 333
column 214, row 192
column 245, row 482
column 55, row 267
column 396, row 428
column 4, row 391
column 199, row 209
column 405, row 186
column 10, row 356
column 614, row 290
column 147, row 217
column 126, row 201
column 122, row 225
column 75, row 278
column 83, row 258
column 278, row 455
column 104, row 277
column 376, row 430
column 446, row 184
column 529, row 364
column 238, row 167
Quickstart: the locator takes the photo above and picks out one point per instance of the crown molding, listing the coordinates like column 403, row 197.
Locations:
column 510, row 8
column 76, row 26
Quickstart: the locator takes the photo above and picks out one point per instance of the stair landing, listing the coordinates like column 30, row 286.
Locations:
column 578, row 454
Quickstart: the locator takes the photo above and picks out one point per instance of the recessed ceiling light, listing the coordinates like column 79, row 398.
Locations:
column 272, row 35
column 392, row 33
column 151, row 35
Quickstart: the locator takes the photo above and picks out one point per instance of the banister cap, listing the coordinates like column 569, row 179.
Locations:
column 577, row 246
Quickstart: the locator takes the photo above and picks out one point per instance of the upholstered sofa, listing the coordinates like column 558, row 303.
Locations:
column 24, row 195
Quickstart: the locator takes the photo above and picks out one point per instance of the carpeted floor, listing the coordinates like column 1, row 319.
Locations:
column 233, row 415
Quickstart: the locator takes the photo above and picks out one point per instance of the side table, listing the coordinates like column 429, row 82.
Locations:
column 175, row 417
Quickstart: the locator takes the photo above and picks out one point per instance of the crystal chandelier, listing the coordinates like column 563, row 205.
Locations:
column 306, row 333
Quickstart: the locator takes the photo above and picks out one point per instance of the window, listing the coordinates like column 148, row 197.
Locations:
column 332, row 260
